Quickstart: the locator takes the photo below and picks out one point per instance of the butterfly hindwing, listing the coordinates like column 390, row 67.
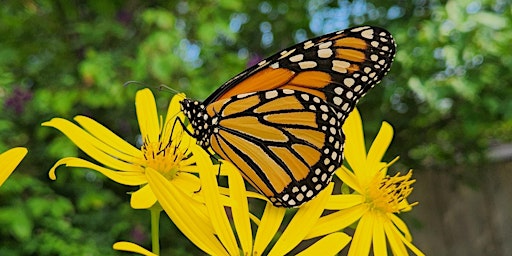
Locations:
column 286, row 143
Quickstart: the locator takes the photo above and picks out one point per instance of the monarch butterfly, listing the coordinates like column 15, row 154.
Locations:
column 279, row 122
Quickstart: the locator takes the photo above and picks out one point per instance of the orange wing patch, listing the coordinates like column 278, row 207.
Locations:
column 250, row 126
column 350, row 54
column 305, row 119
column 279, row 178
column 289, row 103
column 351, row 42
column 300, row 170
column 263, row 80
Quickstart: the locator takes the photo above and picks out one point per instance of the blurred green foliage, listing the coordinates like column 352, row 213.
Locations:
column 447, row 95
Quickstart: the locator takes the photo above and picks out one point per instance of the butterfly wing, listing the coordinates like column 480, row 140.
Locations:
column 286, row 143
column 339, row 68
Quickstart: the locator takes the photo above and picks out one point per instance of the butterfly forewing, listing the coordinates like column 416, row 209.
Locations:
column 339, row 67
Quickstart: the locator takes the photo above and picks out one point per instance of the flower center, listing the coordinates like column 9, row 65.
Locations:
column 387, row 194
column 164, row 158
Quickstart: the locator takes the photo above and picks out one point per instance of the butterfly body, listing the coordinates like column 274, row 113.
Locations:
column 280, row 121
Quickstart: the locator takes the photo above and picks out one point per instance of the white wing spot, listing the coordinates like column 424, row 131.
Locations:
column 338, row 90
column 349, row 81
column 325, row 53
column 340, row 66
column 367, row 34
column 297, row 58
column 359, row 29
column 308, row 44
column 337, row 100
column 325, row 45
column 307, row 64
column 271, row 94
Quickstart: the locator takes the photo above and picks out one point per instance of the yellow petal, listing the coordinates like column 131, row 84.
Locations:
column 400, row 224
column 269, row 224
column 380, row 144
column 240, row 210
column 9, row 160
column 349, row 179
column 394, row 239
column 92, row 146
column 173, row 113
column 379, row 237
column 183, row 212
column 361, row 242
column 337, row 221
column 147, row 115
column 108, row 137
column 125, row 178
column 328, row 245
column 217, row 212
column 131, row 247
column 411, row 247
column 303, row 220
column 343, row 201
column 143, row 198
column 355, row 149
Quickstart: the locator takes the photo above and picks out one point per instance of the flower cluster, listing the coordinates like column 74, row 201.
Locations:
column 171, row 171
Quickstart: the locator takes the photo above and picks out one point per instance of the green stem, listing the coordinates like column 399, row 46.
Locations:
column 155, row 228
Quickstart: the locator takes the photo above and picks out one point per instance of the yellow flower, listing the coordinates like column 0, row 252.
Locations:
column 376, row 199
column 9, row 160
column 229, row 220
column 166, row 148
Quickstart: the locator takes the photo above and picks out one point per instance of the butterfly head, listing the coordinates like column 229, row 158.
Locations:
column 199, row 120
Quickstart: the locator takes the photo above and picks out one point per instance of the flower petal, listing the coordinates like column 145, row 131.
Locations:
column 131, row 247
column 400, row 224
column 183, row 212
column 174, row 112
column 355, row 149
column 107, row 136
column 143, row 198
column 394, row 239
column 361, row 241
column 92, row 146
column 380, row 144
column 343, row 201
column 337, row 221
column 240, row 209
column 217, row 213
column 350, row 179
column 125, row 178
column 328, row 245
column 379, row 237
column 9, row 160
column 269, row 224
column 303, row 220
column 147, row 115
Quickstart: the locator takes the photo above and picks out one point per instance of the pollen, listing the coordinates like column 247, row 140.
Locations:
column 389, row 194
column 163, row 157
